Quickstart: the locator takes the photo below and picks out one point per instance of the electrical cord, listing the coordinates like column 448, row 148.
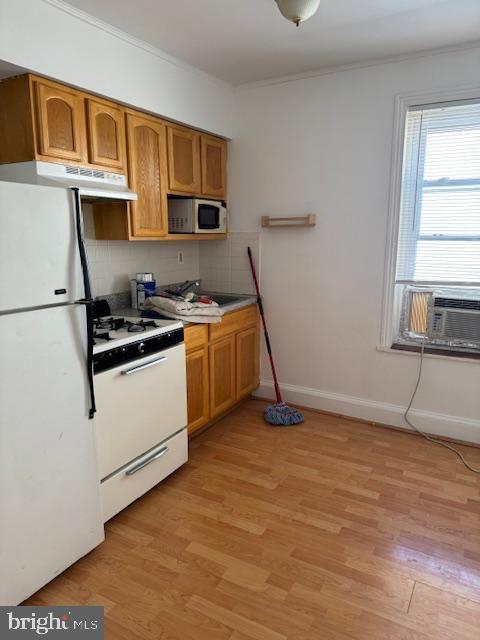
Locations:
column 442, row 443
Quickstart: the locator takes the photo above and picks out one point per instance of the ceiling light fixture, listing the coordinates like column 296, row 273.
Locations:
column 298, row 10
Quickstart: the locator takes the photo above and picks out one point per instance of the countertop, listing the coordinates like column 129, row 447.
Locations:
column 244, row 301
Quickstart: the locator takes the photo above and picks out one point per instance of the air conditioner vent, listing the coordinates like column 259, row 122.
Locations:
column 455, row 319
column 462, row 326
column 457, row 303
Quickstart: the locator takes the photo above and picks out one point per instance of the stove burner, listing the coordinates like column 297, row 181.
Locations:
column 113, row 324
column 141, row 325
column 102, row 336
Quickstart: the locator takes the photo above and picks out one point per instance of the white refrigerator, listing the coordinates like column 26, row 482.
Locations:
column 49, row 489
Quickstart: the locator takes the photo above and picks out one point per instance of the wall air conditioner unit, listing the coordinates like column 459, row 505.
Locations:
column 454, row 319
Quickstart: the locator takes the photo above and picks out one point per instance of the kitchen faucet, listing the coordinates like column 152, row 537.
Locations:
column 181, row 289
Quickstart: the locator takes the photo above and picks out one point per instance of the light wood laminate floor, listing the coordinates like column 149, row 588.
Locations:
column 329, row 530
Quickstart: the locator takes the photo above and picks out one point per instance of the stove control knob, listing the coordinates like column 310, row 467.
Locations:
column 141, row 347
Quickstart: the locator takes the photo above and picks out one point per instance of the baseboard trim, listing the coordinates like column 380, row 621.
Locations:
column 389, row 415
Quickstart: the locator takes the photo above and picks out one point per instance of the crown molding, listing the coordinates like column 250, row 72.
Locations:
column 323, row 71
column 162, row 55
column 133, row 41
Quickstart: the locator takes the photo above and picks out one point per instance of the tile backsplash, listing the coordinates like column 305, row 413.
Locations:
column 221, row 264
column 224, row 265
column 114, row 262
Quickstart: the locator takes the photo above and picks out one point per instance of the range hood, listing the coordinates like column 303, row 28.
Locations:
column 93, row 184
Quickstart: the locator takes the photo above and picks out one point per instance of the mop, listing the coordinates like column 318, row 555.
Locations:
column 279, row 413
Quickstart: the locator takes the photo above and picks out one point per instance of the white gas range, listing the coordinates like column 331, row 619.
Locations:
column 140, row 389
column 111, row 332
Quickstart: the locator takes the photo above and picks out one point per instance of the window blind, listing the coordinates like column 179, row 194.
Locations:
column 439, row 226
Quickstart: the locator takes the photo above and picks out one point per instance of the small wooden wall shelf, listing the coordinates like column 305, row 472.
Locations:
column 292, row 221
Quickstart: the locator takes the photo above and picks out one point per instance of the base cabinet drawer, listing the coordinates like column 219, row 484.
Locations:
column 141, row 474
column 234, row 322
column 196, row 336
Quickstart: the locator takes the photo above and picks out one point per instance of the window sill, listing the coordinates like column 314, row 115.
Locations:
column 436, row 354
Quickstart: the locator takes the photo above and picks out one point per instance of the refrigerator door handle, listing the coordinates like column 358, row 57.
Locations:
column 88, row 300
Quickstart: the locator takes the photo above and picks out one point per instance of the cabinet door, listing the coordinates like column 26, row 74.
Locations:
column 147, row 170
column 247, row 361
column 222, row 375
column 60, row 122
column 183, row 160
column 106, row 134
column 214, row 167
column 197, row 389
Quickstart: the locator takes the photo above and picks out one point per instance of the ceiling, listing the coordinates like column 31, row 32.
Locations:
column 242, row 41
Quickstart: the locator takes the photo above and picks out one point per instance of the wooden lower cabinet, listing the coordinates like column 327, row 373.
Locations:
column 222, row 375
column 222, row 365
column 198, row 396
column 247, row 361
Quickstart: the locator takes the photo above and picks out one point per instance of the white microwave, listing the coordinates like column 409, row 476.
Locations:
column 193, row 215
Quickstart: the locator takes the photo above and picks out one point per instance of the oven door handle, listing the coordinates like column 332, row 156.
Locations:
column 140, row 367
column 145, row 461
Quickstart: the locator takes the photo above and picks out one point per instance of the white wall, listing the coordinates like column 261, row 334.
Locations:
column 41, row 37
column 323, row 145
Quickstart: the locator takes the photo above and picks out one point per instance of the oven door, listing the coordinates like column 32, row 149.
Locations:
column 139, row 405
column 209, row 216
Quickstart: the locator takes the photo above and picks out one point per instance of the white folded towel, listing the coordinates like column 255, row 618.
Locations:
column 197, row 319
column 183, row 308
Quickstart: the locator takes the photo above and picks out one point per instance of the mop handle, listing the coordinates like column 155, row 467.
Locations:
column 265, row 331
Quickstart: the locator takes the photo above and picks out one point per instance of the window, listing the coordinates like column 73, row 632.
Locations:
column 437, row 275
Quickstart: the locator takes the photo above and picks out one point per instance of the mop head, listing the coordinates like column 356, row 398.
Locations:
column 282, row 415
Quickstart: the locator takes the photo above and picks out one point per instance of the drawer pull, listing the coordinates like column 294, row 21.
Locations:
column 145, row 461
column 128, row 372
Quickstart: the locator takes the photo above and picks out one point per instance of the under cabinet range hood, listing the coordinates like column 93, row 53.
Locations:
column 93, row 184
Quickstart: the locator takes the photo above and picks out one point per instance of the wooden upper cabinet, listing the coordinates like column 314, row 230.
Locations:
column 60, row 120
column 214, row 166
column 184, row 160
column 147, row 171
column 197, row 163
column 106, row 134
column 48, row 121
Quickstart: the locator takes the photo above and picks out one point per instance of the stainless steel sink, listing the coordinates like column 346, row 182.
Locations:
column 221, row 298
